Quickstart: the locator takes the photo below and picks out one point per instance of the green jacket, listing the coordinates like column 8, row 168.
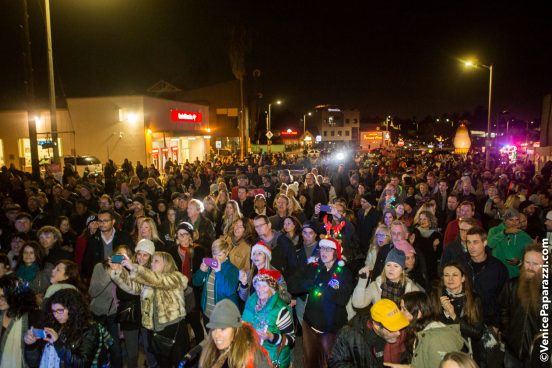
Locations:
column 434, row 342
column 268, row 316
column 226, row 283
column 508, row 246
column 495, row 230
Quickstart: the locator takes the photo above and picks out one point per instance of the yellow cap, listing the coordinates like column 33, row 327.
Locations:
column 388, row 314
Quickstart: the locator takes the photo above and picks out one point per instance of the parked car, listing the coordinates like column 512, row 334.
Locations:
column 82, row 163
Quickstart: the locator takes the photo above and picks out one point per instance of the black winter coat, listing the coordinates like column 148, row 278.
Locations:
column 94, row 252
column 365, row 227
column 325, row 310
column 357, row 346
column 127, row 301
column 204, row 233
column 284, row 257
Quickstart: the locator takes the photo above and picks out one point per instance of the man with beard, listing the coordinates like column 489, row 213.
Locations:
column 519, row 306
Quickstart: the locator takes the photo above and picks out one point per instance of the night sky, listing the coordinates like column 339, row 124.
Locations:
column 398, row 60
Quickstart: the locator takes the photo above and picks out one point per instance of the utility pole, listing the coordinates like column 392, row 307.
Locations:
column 52, row 90
column 29, row 89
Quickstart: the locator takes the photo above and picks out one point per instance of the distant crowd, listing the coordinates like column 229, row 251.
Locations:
column 396, row 260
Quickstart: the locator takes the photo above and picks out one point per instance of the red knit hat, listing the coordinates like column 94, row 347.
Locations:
column 334, row 244
column 271, row 277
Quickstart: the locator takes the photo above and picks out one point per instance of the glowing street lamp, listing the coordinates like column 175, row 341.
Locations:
column 305, row 121
column 472, row 64
column 269, row 121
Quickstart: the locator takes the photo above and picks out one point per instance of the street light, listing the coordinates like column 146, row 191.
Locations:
column 268, row 123
column 305, row 121
column 471, row 64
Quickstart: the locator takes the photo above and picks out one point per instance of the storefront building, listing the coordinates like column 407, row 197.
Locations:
column 140, row 128
column 336, row 124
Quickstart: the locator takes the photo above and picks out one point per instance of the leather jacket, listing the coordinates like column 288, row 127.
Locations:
column 80, row 353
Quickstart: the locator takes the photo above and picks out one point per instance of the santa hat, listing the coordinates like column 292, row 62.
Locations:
column 261, row 246
column 334, row 244
column 271, row 278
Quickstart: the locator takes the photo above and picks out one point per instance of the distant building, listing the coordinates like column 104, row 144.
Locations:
column 337, row 125
column 140, row 128
column 223, row 100
column 373, row 139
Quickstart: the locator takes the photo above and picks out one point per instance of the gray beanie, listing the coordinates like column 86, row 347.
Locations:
column 510, row 213
column 397, row 256
column 226, row 314
column 145, row 245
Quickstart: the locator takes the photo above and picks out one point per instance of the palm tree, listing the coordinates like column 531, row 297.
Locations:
column 236, row 53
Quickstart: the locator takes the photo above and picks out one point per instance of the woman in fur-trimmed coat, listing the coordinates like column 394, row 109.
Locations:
column 161, row 291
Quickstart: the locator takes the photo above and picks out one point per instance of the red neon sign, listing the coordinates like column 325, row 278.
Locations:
column 187, row 116
column 289, row 132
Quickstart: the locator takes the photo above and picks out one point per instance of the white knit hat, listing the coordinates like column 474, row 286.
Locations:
column 145, row 245
column 294, row 187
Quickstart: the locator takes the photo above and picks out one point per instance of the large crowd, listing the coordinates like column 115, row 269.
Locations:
column 394, row 260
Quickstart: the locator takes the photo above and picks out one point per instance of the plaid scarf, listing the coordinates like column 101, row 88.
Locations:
column 392, row 290
column 105, row 342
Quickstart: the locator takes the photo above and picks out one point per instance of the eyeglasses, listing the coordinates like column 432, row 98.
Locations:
column 326, row 249
column 183, row 234
column 58, row 311
column 260, row 225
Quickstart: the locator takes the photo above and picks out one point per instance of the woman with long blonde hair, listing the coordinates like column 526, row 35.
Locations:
column 295, row 209
column 231, row 213
column 232, row 342
column 241, row 238
column 162, row 303
column 382, row 236
column 148, row 230
column 221, row 200
column 391, row 284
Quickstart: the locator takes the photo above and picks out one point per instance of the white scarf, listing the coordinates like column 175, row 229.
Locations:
column 12, row 355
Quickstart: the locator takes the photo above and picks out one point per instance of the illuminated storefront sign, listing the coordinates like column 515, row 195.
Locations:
column 186, row 116
column 289, row 132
